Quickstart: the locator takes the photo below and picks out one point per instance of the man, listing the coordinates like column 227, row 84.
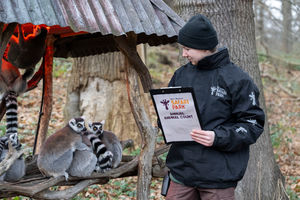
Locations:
column 230, row 116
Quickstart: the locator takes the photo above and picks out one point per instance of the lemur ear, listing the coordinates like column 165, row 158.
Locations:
column 90, row 125
column 72, row 122
column 82, row 117
column 103, row 122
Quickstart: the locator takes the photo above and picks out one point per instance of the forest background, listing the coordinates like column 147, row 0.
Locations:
column 278, row 46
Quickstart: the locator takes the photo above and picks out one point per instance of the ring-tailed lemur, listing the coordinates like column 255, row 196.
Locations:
column 104, row 157
column 108, row 146
column 17, row 169
column 58, row 153
column 25, row 52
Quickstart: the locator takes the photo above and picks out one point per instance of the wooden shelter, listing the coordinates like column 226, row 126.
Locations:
column 81, row 28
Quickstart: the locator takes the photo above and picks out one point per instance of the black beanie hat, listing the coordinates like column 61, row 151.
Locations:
column 198, row 33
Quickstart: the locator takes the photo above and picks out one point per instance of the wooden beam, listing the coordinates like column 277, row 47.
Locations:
column 48, row 94
column 127, row 45
column 147, row 132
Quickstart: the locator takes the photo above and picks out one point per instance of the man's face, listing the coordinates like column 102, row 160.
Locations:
column 194, row 55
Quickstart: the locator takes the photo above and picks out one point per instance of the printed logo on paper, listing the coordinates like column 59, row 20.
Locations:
column 165, row 102
column 177, row 108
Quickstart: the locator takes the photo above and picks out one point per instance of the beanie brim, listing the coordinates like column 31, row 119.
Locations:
column 198, row 43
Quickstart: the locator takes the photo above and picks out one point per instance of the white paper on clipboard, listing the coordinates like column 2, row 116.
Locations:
column 177, row 113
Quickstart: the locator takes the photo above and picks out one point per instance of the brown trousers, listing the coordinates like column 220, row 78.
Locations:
column 180, row 192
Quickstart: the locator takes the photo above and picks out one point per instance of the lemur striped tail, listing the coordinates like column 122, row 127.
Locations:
column 104, row 157
column 2, row 146
column 11, row 113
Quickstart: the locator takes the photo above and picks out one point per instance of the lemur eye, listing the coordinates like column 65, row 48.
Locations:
column 79, row 125
column 94, row 128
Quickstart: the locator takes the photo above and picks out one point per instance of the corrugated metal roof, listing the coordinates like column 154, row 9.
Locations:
column 149, row 19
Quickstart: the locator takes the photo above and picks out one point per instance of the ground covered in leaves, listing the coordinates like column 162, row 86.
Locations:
column 282, row 95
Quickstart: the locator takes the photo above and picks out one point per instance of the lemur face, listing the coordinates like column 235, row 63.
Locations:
column 77, row 124
column 97, row 127
column 13, row 138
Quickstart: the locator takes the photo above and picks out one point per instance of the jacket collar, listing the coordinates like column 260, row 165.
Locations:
column 221, row 57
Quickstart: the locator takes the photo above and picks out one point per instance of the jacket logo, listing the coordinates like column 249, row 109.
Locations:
column 252, row 98
column 241, row 129
column 165, row 102
column 252, row 121
column 218, row 91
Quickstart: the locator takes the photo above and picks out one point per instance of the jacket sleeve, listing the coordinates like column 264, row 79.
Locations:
column 247, row 122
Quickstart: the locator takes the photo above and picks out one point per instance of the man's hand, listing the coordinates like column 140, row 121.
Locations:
column 205, row 138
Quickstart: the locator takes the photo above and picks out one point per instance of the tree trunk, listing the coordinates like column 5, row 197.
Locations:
column 287, row 36
column 97, row 90
column 234, row 23
column 260, row 24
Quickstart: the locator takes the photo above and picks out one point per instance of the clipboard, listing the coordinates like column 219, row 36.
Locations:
column 177, row 111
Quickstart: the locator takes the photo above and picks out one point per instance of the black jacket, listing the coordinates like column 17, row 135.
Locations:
column 227, row 99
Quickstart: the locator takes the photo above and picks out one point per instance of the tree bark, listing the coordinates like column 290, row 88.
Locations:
column 234, row 23
column 287, row 36
column 260, row 24
column 97, row 90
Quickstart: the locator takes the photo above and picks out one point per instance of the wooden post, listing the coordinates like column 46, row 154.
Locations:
column 148, row 133
column 48, row 94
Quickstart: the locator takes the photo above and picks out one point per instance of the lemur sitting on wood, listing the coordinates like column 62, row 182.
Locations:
column 64, row 152
column 106, row 146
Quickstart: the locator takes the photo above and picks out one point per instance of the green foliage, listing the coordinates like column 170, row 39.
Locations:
column 17, row 198
column 262, row 57
column 291, row 193
column 277, row 134
column 61, row 66
column 160, row 138
column 123, row 187
column 2, row 129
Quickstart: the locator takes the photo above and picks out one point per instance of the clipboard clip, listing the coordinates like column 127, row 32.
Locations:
column 170, row 88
